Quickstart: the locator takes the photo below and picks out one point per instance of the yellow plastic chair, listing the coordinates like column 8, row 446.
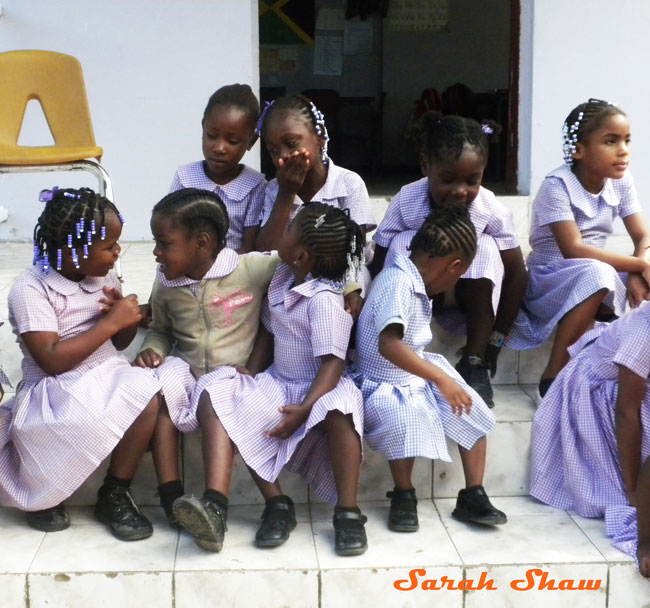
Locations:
column 56, row 81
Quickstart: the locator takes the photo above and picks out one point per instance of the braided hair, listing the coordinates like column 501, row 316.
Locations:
column 196, row 211
column 71, row 218
column 447, row 231
column 443, row 138
column 239, row 96
column 582, row 121
column 304, row 108
column 334, row 240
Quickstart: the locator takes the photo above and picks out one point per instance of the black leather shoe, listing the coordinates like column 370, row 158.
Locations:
column 477, row 375
column 403, row 514
column 349, row 533
column 278, row 520
column 204, row 519
column 473, row 505
column 116, row 507
column 53, row 519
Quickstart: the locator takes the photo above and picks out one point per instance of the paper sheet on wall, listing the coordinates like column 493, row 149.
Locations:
column 328, row 54
column 417, row 15
column 357, row 37
column 330, row 19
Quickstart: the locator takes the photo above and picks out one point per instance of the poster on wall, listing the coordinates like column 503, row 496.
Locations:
column 417, row 15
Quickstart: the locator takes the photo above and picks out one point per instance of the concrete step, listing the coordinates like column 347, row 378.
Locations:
column 85, row 566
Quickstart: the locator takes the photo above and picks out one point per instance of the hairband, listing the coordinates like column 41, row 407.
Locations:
column 487, row 129
column 260, row 120
column 47, row 195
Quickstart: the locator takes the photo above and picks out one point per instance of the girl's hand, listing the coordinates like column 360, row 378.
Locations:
column 637, row 289
column 148, row 358
column 123, row 312
column 294, row 417
column 354, row 304
column 292, row 170
column 459, row 400
column 643, row 556
column 646, row 275
column 111, row 295
column 243, row 370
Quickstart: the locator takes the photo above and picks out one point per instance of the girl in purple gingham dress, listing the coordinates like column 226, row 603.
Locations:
column 591, row 433
column 301, row 412
column 414, row 400
column 453, row 155
column 228, row 131
column 79, row 400
column 572, row 278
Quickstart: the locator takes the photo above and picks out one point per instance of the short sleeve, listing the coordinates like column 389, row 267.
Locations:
column 330, row 325
column 30, row 308
column 394, row 300
column 255, row 205
column 633, row 351
column 629, row 197
column 270, row 194
column 176, row 183
column 358, row 202
column 393, row 223
column 501, row 227
column 552, row 203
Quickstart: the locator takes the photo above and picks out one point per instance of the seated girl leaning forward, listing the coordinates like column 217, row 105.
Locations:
column 415, row 400
column 205, row 303
column 573, row 278
column 301, row 412
column 591, row 433
column 79, row 400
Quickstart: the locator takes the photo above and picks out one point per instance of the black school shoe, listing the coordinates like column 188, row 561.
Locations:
column 116, row 508
column 53, row 519
column 473, row 505
column 349, row 533
column 477, row 374
column 204, row 519
column 403, row 514
column 278, row 520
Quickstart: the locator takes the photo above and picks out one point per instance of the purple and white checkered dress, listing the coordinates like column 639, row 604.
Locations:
column 58, row 429
column 574, row 462
column 405, row 415
column 343, row 189
column 557, row 284
column 495, row 232
column 308, row 321
column 243, row 196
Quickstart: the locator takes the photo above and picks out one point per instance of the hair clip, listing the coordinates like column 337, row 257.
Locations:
column 47, row 195
column 487, row 129
column 260, row 120
column 102, row 233
column 75, row 258
column 73, row 196
column 59, row 258
column 319, row 221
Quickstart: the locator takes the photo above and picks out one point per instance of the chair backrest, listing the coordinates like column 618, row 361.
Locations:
column 56, row 81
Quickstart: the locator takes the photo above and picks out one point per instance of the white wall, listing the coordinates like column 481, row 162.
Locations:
column 581, row 49
column 149, row 68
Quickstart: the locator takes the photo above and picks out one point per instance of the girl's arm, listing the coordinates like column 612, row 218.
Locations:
column 631, row 388
column 291, row 175
column 125, row 336
column 262, row 354
column 638, row 289
column 393, row 348
column 643, row 519
column 55, row 356
column 569, row 240
column 249, row 236
column 378, row 260
column 295, row 415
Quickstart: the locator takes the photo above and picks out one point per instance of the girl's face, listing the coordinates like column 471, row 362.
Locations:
column 292, row 251
column 175, row 250
column 286, row 132
column 102, row 255
column 227, row 134
column 455, row 181
column 605, row 152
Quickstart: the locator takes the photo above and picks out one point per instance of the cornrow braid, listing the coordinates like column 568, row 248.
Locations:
column 234, row 96
column 303, row 107
column 446, row 231
column 196, row 210
column 442, row 138
column 333, row 238
column 583, row 120
column 71, row 218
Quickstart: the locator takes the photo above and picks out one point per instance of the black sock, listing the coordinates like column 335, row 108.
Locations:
column 280, row 498
column 168, row 493
column 217, row 497
column 115, row 482
column 338, row 509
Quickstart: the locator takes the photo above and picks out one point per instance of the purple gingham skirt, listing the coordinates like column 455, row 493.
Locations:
column 247, row 406
column 56, row 432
